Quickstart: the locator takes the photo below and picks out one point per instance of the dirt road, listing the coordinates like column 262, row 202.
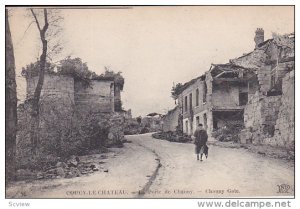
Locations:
column 152, row 168
column 226, row 173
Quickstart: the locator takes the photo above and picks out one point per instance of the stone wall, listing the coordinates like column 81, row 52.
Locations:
column 252, row 113
column 98, row 96
column 56, row 107
column 117, row 98
column 93, row 103
column 285, row 124
column 261, row 110
column 260, row 117
column 60, row 88
column 116, row 128
column 170, row 121
column 264, row 78
column 283, row 68
column 270, row 119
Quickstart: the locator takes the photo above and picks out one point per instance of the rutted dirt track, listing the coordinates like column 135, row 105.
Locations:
column 152, row 168
column 226, row 173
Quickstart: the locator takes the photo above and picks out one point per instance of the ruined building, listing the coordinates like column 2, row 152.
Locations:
column 97, row 99
column 269, row 114
column 255, row 90
column 216, row 98
column 100, row 94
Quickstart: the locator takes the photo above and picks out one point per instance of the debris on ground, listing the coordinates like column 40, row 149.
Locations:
column 75, row 166
column 172, row 136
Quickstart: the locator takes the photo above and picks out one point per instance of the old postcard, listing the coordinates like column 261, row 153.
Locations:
column 150, row 102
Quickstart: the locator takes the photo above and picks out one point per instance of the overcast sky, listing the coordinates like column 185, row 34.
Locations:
column 154, row 47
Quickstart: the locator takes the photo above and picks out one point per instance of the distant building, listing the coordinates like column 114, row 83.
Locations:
column 152, row 121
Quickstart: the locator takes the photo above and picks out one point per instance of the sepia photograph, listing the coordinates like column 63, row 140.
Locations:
column 149, row 102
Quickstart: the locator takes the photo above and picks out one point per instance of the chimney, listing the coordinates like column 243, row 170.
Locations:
column 259, row 36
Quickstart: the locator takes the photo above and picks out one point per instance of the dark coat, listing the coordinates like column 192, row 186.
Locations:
column 200, row 137
column 200, row 140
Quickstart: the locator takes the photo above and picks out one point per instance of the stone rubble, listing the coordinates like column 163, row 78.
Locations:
column 73, row 167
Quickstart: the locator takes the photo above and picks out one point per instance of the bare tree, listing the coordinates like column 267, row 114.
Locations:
column 47, row 23
column 42, row 61
column 10, row 104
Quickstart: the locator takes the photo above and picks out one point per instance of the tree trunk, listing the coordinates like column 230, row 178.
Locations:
column 10, row 105
column 37, row 93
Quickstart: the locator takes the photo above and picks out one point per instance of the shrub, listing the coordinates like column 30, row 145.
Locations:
column 145, row 130
column 64, row 132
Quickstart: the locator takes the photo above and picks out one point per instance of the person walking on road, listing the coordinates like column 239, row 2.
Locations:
column 200, row 141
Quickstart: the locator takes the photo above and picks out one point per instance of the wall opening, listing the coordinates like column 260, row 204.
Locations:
column 204, row 92
column 243, row 98
column 197, row 97
column 224, row 118
column 187, row 127
column 185, row 103
column 191, row 101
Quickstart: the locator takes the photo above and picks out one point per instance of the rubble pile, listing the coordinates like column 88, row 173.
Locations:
column 230, row 132
column 73, row 167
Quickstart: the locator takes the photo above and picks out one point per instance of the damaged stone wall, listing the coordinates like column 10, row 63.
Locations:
column 270, row 119
column 84, row 109
column 54, row 87
column 269, row 114
column 285, row 124
column 97, row 95
column 170, row 120
column 116, row 129
column 264, row 78
column 117, row 98
column 260, row 116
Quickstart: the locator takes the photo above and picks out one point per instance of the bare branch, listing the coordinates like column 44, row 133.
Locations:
column 56, row 20
column 36, row 20
column 26, row 30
